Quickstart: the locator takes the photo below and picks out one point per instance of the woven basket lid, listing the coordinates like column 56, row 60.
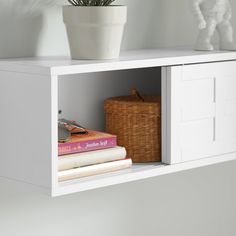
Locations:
column 134, row 104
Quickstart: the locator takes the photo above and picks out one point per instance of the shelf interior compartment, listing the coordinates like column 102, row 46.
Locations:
column 81, row 98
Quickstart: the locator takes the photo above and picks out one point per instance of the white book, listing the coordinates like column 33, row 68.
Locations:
column 90, row 158
column 94, row 170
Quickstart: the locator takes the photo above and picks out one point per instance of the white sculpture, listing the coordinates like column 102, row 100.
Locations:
column 214, row 15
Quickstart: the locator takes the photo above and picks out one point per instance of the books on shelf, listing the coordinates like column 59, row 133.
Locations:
column 94, row 170
column 93, row 140
column 90, row 154
column 90, row 158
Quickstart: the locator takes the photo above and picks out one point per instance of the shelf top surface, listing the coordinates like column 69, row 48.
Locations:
column 127, row 60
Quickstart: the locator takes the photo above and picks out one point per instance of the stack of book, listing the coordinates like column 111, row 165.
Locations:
column 90, row 154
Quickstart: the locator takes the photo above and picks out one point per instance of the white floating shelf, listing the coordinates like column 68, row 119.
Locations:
column 30, row 93
column 128, row 60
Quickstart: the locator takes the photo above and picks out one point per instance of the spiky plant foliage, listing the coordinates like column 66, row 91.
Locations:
column 91, row 2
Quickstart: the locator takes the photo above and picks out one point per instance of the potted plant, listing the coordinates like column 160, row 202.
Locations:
column 94, row 28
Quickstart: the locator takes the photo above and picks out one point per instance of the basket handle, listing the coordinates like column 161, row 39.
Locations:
column 135, row 93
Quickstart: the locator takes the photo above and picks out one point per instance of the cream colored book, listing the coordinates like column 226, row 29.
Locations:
column 90, row 158
column 94, row 170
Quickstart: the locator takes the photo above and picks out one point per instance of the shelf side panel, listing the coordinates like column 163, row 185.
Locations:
column 25, row 139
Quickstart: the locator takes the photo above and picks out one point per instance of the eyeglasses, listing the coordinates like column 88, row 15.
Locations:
column 66, row 128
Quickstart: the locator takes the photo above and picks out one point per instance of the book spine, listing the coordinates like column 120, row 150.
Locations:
column 86, row 146
column 94, row 170
column 67, row 162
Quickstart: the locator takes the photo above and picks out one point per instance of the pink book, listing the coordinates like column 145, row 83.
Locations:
column 92, row 141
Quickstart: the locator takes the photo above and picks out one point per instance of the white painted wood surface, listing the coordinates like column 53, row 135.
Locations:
column 199, row 103
column 138, row 172
column 54, row 134
column 127, row 60
column 201, row 111
column 25, row 139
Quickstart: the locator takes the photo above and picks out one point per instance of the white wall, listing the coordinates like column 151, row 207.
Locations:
column 45, row 34
column 157, row 23
column 177, row 25
column 192, row 203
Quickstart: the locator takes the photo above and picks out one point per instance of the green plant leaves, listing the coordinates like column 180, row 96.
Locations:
column 91, row 2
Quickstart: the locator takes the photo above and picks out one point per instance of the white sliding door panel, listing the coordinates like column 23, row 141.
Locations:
column 226, row 132
column 171, row 114
column 200, row 111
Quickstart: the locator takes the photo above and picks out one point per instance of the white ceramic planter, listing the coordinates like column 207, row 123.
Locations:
column 95, row 32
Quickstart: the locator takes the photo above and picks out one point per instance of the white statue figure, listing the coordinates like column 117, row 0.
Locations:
column 214, row 15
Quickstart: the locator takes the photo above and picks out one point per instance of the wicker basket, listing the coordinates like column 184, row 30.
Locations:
column 136, row 121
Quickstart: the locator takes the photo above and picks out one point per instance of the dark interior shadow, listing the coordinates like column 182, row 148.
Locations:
column 19, row 34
